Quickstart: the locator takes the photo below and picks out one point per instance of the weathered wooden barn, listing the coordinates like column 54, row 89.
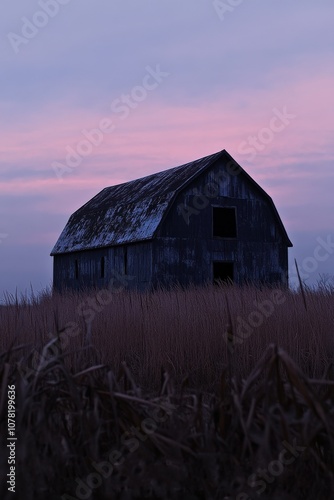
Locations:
column 201, row 222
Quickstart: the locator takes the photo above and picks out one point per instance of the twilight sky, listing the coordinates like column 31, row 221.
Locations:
column 95, row 93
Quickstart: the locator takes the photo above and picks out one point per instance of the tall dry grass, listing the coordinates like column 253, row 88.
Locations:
column 233, row 404
column 181, row 331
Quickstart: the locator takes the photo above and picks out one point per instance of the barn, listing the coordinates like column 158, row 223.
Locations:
column 205, row 221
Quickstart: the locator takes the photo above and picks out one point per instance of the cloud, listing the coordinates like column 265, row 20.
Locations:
column 225, row 79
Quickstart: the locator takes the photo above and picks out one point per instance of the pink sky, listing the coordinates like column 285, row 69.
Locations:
column 214, row 98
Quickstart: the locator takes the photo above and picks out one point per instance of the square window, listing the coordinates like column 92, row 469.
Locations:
column 224, row 224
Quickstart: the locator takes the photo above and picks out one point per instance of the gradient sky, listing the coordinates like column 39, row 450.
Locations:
column 225, row 71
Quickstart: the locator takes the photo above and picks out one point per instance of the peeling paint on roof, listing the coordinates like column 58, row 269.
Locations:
column 132, row 211
column 127, row 212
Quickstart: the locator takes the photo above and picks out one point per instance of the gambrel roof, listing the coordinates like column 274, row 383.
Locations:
column 132, row 211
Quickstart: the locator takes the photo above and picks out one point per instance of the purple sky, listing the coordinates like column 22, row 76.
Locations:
column 153, row 85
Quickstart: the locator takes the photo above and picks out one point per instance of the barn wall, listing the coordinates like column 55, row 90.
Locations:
column 131, row 265
column 89, row 269
column 185, row 248
column 125, row 266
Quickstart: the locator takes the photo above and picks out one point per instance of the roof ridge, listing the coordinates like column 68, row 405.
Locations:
column 163, row 171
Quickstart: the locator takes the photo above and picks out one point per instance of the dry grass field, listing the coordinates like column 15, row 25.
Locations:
column 209, row 393
column 190, row 333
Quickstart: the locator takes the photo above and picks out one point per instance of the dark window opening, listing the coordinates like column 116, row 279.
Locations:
column 125, row 260
column 223, row 272
column 224, row 222
column 102, row 267
column 76, row 269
